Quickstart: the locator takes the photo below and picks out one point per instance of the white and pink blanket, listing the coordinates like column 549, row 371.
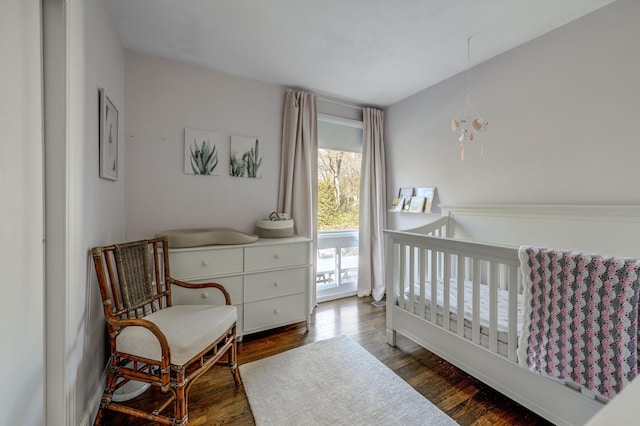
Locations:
column 580, row 318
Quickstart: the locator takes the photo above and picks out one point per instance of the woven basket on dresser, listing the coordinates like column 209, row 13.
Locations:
column 266, row 228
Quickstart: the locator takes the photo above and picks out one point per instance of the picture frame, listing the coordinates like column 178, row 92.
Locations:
column 108, row 129
column 201, row 152
column 245, row 157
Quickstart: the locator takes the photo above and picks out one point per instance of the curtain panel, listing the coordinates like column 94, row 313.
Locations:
column 373, row 200
column 297, row 194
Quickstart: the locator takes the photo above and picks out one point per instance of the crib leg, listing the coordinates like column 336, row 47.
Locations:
column 391, row 337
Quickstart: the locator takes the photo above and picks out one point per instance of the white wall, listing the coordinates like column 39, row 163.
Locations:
column 561, row 110
column 22, row 215
column 96, row 206
column 162, row 98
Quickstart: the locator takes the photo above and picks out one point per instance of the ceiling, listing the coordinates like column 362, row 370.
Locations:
column 374, row 52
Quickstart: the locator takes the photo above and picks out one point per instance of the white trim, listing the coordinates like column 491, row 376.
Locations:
column 334, row 101
column 630, row 212
column 57, row 20
column 602, row 229
column 336, row 295
column 74, row 36
column 91, row 410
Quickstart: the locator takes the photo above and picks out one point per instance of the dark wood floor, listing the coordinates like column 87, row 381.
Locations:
column 214, row 400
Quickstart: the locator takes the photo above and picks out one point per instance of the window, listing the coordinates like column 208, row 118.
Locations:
column 339, row 160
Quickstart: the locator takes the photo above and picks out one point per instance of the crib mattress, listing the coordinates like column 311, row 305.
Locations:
column 503, row 305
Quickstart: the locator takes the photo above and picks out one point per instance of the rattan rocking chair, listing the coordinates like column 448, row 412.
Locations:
column 153, row 341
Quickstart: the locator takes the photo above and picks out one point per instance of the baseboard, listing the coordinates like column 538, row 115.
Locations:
column 91, row 410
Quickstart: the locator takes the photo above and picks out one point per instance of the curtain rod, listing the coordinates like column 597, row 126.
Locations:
column 338, row 102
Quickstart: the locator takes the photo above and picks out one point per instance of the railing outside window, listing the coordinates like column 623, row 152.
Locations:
column 337, row 264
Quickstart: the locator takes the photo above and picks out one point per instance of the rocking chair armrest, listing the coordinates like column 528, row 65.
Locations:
column 220, row 287
column 141, row 322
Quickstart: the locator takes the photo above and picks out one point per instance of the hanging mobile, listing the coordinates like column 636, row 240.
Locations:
column 477, row 124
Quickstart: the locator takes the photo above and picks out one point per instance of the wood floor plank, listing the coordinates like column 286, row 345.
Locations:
column 214, row 400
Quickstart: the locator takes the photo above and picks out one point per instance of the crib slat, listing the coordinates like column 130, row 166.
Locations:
column 422, row 278
column 412, row 278
column 434, row 286
column 460, row 309
column 493, row 307
column 520, row 284
column 446, row 284
column 513, row 313
column 402, row 272
column 475, row 327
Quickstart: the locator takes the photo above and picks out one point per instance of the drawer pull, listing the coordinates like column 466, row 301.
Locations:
column 205, row 295
column 205, row 263
column 275, row 256
column 276, row 284
column 276, row 311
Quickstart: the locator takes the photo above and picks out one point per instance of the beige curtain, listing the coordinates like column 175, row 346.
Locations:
column 297, row 194
column 373, row 200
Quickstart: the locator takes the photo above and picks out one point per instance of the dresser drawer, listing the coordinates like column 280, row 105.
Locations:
column 276, row 256
column 274, row 284
column 269, row 313
column 187, row 265
column 208, row 296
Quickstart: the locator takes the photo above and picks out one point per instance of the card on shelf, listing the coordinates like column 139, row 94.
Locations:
column 417, row 204
column 428, row 193
column 406, row 193
column 397, row 204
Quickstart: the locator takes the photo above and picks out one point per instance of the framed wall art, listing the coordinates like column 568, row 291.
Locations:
column 201, row 149
column 108, row 138
column 246, row 157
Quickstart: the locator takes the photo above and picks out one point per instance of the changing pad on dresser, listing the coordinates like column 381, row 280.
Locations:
column 179, row 238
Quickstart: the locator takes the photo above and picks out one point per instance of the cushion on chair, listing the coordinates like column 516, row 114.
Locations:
column 188, row 328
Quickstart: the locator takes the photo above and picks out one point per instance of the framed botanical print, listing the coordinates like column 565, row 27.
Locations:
column 108, row 138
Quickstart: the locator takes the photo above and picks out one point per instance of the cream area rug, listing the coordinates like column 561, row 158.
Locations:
column 333, row 382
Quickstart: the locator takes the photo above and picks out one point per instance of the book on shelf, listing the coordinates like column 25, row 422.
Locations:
column 417, row 204
column 406, row 193
column 428, row 193
column 397, row 204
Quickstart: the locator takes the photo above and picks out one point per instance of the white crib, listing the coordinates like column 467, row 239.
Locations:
column 471, row 316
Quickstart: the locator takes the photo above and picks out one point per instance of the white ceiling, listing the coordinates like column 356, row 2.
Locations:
column 374, row 52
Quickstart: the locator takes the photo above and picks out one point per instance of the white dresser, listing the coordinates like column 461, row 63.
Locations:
column 268, row 281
